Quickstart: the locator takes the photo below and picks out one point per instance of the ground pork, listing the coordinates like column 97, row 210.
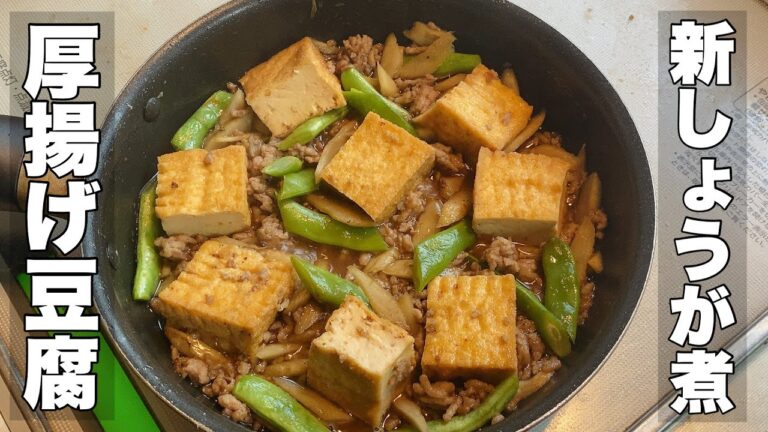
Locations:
column 410, row 208
column 600, row 219
column 397, row 286
column 309, row 153
column 235, row 409
column 464, row 264
column 179, row 247
column 438, row 395
column 194, row 369
column 472, row 395
column 528, row 273
column 417, row 94
column 392, row 422
column 444, row 397
column 261, row 194
column 573, row 182
column 447, row 161
column 501, row 256
column 271, row 232
column 531, row 351
column 542, row 138
column 359, row 51
column 587, row 294
column 398, row 231
column 568, row 231
column 261, row 153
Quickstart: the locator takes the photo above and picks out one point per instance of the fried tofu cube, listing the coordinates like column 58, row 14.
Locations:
column 361, row 361
column 378, row 165
column 291, row 87
column 520, row 196
column 470, row 327
column 479, row 112
column 228, row 294
column 203, row 192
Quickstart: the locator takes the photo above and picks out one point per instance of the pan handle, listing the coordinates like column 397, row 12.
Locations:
column 12, row 151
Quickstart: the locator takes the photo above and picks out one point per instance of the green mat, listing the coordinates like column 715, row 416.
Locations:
column 119, row 408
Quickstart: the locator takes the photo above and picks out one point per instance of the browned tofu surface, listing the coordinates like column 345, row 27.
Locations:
column 362, row 361
column 479, row 112
column 203, row 192
column 379, row 164
column 470, row 327
column 291, row 87
column 228, row 294
column 520, row 196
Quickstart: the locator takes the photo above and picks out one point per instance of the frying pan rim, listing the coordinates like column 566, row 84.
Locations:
column 635, row 153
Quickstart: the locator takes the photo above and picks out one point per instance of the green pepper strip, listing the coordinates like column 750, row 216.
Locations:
column 457, row 63
column 361, row 96
column 284, row 165
column 297, row 184
column 561, row 294
column 190, row 135
column 326, row 287
column 311, row 128
column 489, row 408
column 550, row 328
column 274, row 406
column 320, row 228
column 435, row 253
column 147, row 260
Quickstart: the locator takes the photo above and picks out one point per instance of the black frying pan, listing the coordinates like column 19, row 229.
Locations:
column 580, row 103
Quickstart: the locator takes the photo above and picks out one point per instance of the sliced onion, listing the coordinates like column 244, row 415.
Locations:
column 231, row 127
column 309, row 315
column 533, row 125
column 596, row 262
column 509, row 79
column 411, row 412
column 299, row 298
column 191, row 346
column 530, row 386
column 450, row 185
column 381, row 300
column 287, row 368
column 392, row 55
column 427, row 223
column 387, row 86
column 581, row 159
column 424, row 34
column 381, row 261
column 333, row 146
column 273, row 351
column 582, row 247
column 311, row 333
column 589, row 197
column 449, row 83
column 326, row 410
column 341, row 210
column 235, row 104
column 413, row 318
column 457, row 206
column 400, row 268
column 428, row 61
